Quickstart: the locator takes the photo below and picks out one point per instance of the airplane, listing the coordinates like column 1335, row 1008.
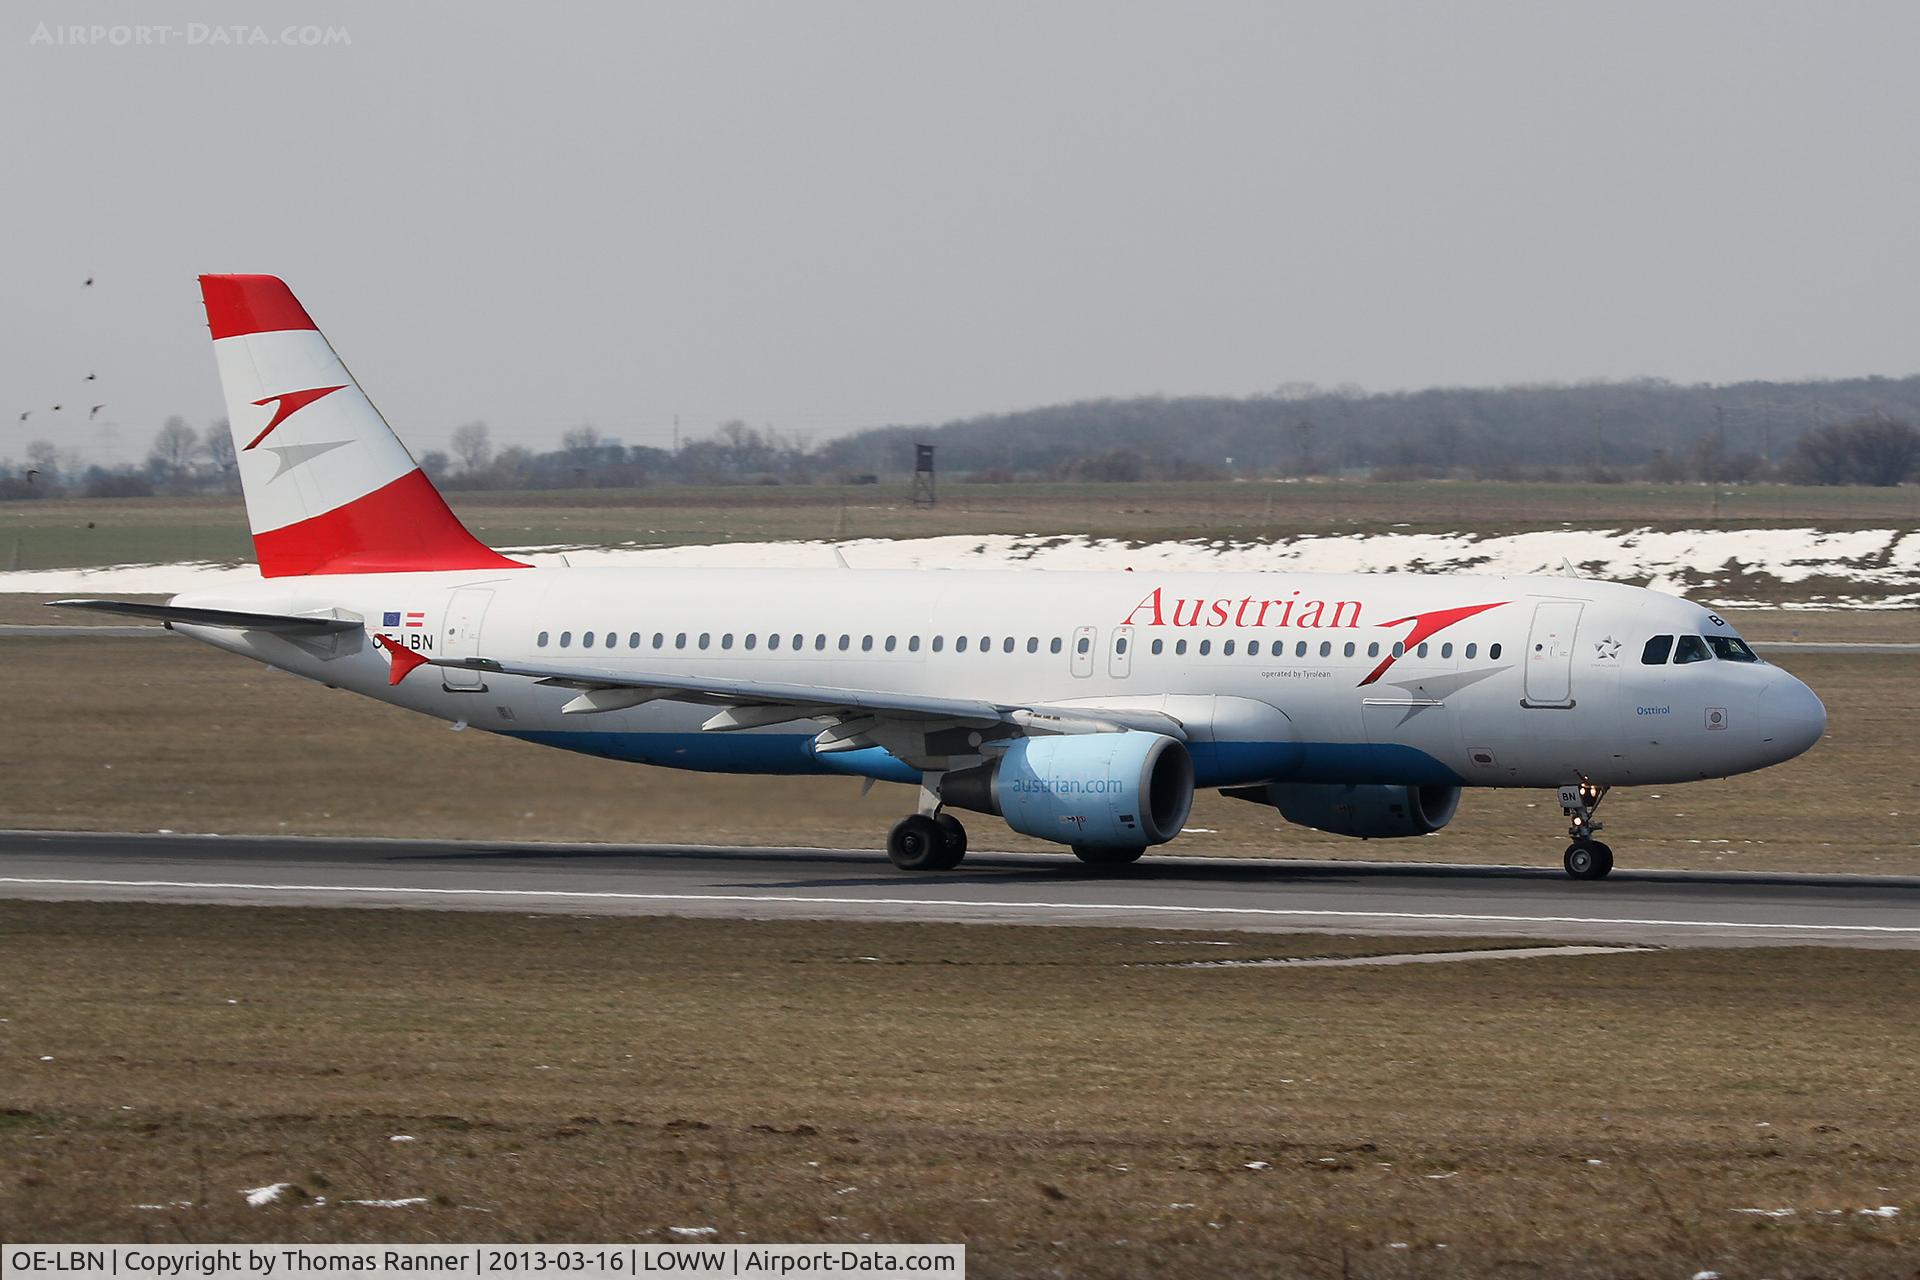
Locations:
column 1082, row 708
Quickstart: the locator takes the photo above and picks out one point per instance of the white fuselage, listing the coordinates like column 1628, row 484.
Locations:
column 1539, row 681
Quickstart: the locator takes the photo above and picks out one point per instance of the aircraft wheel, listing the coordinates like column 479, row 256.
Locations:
column 1588, row 860
column 916, row 843
column 953, row 841
column 1108, row 855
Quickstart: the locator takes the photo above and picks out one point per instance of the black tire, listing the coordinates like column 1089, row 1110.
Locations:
column 1108, row 855
column 953, row 839
column 916, row 843
column 1588, row 860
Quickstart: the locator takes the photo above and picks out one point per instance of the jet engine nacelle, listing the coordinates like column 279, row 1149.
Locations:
column 1105, row 790
column 1370, row 811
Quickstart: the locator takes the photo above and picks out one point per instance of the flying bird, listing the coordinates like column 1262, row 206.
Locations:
column 26, row 415
column 87, row 283
column 94, row 411
column 57, row 408
column 92, row 376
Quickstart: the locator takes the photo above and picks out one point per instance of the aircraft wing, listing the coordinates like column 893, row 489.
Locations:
column 925, row 730
column 290, row 624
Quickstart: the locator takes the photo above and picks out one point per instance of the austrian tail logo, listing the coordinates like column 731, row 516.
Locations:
column 1426, row 625
column 286, row 404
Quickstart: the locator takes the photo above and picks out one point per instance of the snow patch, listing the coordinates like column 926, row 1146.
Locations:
column 694, row 1233
column 1882, row 566
column 405, row 1203
column 258, row 1196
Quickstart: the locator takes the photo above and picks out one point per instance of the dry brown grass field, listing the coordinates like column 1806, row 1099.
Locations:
column 1064, row 1100
column 60, row 533
column 161, row 733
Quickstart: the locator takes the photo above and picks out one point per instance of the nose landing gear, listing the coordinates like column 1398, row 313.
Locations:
column 1586, row 858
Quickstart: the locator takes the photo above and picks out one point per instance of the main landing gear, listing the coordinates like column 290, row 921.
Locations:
column 927, row 842
column 1586, row 858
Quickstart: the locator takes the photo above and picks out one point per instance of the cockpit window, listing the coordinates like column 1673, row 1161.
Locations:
column 1731, row 649
column 1691, row 649
column 1658, row 647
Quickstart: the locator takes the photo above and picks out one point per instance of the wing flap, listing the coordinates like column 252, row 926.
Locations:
column 289, row 624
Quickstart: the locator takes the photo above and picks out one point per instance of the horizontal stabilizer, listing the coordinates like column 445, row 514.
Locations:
column 286, row 624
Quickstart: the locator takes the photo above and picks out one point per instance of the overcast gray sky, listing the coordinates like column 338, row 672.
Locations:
column 826, row 216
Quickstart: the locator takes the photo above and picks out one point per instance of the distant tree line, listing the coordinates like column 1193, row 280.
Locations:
column 1838, row 432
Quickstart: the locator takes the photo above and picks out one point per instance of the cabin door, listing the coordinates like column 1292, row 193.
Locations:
column 460, row 637
column 1549, row 677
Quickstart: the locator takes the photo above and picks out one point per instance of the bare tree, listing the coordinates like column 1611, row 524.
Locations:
column 173, row 448
column 473, row 446
column 218, row 446
column 44, row 458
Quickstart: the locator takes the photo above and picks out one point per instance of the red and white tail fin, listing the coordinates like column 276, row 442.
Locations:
column 329, row 487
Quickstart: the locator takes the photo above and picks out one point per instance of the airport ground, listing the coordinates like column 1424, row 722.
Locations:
column 1069, row 1101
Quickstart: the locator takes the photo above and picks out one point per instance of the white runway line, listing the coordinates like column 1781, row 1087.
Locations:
column 1422, row 957
column 571, row 895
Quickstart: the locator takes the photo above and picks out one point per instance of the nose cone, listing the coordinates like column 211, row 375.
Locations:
column 1794, row 715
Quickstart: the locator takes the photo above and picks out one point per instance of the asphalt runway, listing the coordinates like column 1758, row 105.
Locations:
column 1659, row 907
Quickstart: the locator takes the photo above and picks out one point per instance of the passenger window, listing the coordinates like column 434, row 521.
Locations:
column 1349, row 649
column 1227, row 648
column 986, row 644
column 1253, row 648
column 1055, row 646
column 1472, row 649
column 566, row 638
column 586, row 640
column 726, row 641
column 891, row 642
column 845, row 641
column 540, row 641
column 1120, row 645
column 1657, row 650
column 819, row 642
column 1006, row 646
column 959, row 644
column 750, row 640
column 1399, row 649
column 706, row 638
column 799, row 643
column 913, row 644
column 1731, row 649
column 1420, row 652
column 866, row 644
column 1373, row 650
column 1446, row 650
column 1180, row 647
column 1493, row 652
column 1033, row 644
column 1159, row 646
column 1206, row 647
column 1326, row 648
column 773, row 640
column 1300, row 650
column 1691, row 649
column 939, row 643
column 1084, row 646
column 680, row 641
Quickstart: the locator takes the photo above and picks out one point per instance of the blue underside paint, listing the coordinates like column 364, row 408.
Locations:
column 1215, row 764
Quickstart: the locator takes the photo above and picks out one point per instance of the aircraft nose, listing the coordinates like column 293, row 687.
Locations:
column 1795, row 716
